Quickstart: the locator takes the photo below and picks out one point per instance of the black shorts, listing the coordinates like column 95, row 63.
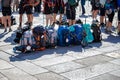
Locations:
column 47, row 10
column 21, row 9
column 59, row 9
column 6, row 11
column 111, row 16
column 27, row 9
column 119, row 15
column 71, row 13
column 102, row 11
column 94, row 7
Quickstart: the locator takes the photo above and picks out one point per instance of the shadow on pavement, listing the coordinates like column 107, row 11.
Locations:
column 112, row 39
column 3, row 34
column 10, row 39
column 38, row 54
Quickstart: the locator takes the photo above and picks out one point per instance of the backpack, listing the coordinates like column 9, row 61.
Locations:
column 26, row 42
column 72, row 3
column 89, row 35
column 51, row 38
column 76, row 34
column 96, row 33
column 19, row 34
column 40, row 37
column 63, row 36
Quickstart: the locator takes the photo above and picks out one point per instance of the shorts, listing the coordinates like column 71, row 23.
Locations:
column 111, row 16
column 47, row 10
column 71, row 13
column 119, row 15
column 102, row 11
column 21, row 9
column 94, row 7
column 59, row 9
column 6, row 11
column 27, row 9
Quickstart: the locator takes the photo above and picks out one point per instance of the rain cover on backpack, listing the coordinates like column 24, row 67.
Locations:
column 63, row 36
column 51, row 38
column 89, row 35
column 40, row 37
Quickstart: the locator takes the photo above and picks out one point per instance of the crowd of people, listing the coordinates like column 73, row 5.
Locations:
column 51, row 8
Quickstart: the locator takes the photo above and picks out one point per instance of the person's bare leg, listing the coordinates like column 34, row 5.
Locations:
column 54, row 17
column 9, row 23
column 20, row 20
column 73, row 22
column 5, row 23
column 51, row 19
column 47, row 19
column 60, row 19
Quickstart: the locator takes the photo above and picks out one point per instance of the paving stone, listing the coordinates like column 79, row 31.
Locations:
column 91, row 71
column 29, row 67
column 108, row 49
column 94, row 60
column 116, row 73
column 5, row 65
column 1, row 76
column 7, row 57
column 40, row 56
column 17, row 74
column 116, row 61
column 64, row 67
column 115, row 54
column 53, row 61
column 4, row 78
column 87, row 53
column 50, row 76
column 105, row 77
column 3, row 44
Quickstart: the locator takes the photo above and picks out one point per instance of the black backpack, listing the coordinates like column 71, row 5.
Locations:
column 40, row 37
column 96, row 32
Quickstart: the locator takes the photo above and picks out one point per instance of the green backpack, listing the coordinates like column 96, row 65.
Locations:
column 72, row 2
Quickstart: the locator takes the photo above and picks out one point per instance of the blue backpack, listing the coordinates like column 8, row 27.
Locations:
column 89, row 36
column 118, row 1
column 63, row 36
column 77, row 34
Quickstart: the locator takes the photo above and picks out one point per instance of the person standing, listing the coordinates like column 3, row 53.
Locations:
column 109, row 6
column 118, row 5
column 29, row 4
column 48, row 10
column 82, row 5
column 102, row 12
column 26, row 6
column 58, row 8
column 95, row 9
column 6, row 12
column 71, row 11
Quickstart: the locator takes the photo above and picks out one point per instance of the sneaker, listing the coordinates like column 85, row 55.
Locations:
column 10, row 29
column 5, row 30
